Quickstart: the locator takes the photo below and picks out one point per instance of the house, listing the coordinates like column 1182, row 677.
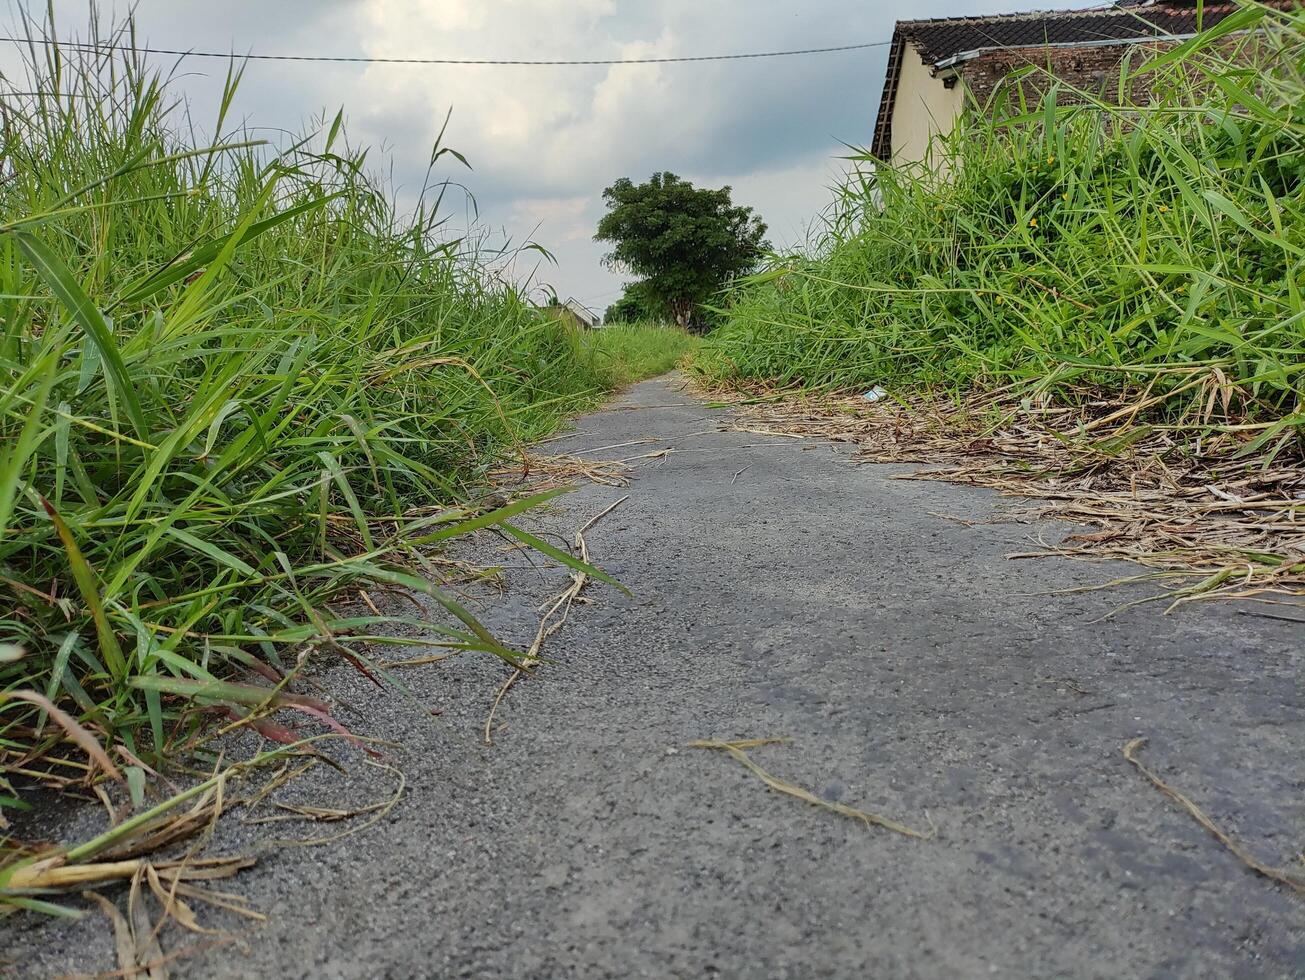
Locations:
column 937, row 67
column 575, row 313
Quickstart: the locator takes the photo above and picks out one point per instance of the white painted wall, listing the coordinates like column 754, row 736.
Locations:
column 923, row 108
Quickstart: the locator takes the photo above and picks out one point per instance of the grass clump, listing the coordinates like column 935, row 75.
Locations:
column 624, row 353
column 234, row 384
column 1074, row 252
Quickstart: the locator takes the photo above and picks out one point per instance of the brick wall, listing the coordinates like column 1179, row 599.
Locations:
column 1092, row 69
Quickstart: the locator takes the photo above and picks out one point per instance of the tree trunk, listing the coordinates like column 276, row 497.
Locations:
column 683, row 311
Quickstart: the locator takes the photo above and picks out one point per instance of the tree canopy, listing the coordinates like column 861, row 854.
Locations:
column 634, row 305
column 684, row 242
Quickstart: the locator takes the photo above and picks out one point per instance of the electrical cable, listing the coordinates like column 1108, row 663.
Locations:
column 343, row 59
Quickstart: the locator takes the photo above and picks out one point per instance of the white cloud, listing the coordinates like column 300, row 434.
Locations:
column 795, row 196
column 544, row 142
column 568, row 217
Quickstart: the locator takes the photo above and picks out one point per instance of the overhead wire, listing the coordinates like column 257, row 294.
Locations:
column 360, row 59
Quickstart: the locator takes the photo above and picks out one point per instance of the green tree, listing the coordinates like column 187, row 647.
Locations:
column 634, row 305
column 685, row 242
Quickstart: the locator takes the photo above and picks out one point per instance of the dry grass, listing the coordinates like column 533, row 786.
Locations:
column 163, row 852
column 555, row 613
column 541, row 473
column 1292, row 879
column 1211, row 519
column 737, row 749
column 130, row 850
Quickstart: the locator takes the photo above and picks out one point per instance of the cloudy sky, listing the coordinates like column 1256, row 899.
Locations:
column 544, row 141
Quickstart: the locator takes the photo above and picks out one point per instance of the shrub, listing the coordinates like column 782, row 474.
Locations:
column 236, row 384
column 1075, row 249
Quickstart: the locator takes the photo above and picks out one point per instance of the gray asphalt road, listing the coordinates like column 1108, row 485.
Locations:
column 780, row 590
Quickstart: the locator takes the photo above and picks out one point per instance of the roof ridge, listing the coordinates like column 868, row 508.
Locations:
column 1105, row 8
column 1121, row 7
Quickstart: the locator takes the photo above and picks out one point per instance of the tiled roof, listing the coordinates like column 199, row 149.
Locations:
column 940, row 39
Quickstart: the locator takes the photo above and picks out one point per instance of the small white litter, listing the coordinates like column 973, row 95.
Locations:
column 874, row 394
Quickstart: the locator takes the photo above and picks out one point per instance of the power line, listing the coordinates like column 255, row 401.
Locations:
column 447, row 61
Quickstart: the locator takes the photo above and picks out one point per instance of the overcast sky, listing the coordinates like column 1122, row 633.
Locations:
column 544, row 141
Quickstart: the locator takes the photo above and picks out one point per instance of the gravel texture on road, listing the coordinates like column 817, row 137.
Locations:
column 781, row 590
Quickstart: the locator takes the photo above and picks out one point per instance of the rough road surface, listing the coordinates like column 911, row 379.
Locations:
column 781, row 590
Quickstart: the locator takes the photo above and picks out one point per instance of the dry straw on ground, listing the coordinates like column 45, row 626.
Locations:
column 1209, row 517
column 541, row 473
column 163, row 851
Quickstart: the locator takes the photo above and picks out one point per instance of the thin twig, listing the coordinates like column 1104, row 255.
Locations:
column 1265, row 615
column 736, row 749
column 547, row 624
column 1280, row 875
column 503, row 689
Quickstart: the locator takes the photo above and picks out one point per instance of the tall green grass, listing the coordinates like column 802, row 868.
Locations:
column 1077, row 248
column 624, row 353
column 234, row 383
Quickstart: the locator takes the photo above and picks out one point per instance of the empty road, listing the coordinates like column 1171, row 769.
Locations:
column 780, row 590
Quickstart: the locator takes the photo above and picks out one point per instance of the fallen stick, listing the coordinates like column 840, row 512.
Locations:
column 74, row 867
column 502, row 691
column 1280, row 875
column 547, row 625
column 736, row 749
column 618, row 445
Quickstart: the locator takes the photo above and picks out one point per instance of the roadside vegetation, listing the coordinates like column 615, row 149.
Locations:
column 624, row 353
column 1116, row 293
column 236, row 385
column 1063, row 245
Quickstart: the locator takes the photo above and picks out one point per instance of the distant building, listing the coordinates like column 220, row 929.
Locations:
column 575, row 313
column 938, row 67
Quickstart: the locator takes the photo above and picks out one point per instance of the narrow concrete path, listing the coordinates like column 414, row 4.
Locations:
column 781, row 590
